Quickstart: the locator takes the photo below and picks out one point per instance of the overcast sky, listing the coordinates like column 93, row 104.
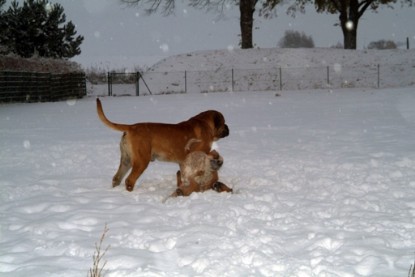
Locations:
column 120, row 36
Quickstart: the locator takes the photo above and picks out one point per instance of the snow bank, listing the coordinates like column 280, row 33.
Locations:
column 324, row 185
column 279, row 69
column 277, row 57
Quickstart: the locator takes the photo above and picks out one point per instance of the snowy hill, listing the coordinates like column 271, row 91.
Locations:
column 279, row 69
column 277, row 57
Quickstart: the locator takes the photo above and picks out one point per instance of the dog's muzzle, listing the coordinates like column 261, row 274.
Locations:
column 225, row 131
column 216, row 164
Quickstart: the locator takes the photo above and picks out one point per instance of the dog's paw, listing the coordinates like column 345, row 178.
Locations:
column 179, row 192
column 221, row 187
column 129, row 187
column 115, row 182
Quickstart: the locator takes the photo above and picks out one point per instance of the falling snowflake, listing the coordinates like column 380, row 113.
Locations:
column 337, row 68
column 349, row 25
column 164, row 47
column 26, row 144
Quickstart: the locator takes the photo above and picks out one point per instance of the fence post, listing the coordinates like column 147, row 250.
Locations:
column 109, row 78
column 233, row 81
column 137, row 83
column 83, row 76
column 378, row 76
column 185, row 81
column 328, row 76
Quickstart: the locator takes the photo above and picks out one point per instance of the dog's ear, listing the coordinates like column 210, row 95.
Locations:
column 218, row 120
column 221, row 129
column 214, row 154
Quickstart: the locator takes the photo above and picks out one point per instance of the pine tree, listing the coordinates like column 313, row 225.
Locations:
column 38, row 28
column 3, row 28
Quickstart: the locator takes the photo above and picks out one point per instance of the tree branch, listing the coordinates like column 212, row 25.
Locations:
column 336, row 5
column 364, row 5
column 154, row 5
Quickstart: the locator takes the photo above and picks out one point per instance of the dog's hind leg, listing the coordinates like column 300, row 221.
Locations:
column 125, row 163
column 139, row 161
column 135, row 173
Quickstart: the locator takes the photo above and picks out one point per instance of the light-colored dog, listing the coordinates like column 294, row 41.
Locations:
column 145, row 142
column 198, row 173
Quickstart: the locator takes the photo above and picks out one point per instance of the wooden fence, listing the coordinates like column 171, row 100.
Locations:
column 40, row 87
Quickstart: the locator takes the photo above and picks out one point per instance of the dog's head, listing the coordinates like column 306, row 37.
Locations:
column 220, row 126
column 216, row 121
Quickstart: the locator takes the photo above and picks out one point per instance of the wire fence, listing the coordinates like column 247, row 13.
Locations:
column 40, row 87
column 263, row 79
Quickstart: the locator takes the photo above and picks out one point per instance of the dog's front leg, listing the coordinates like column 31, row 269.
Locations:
column 179, row 178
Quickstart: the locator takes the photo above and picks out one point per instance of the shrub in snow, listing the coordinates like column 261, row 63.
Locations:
column 295, row 39
column 382, row 44
column 37, row 64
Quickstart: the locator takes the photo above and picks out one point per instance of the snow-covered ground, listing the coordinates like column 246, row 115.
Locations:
column 324, row 185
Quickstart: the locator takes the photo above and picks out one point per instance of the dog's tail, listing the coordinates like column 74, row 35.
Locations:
column 105, row 120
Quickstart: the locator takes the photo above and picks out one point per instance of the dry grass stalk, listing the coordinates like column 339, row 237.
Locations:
column 96, row 270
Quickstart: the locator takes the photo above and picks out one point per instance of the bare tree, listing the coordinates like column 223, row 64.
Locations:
column 350, row 12
column 246, row 8
column 167, row 6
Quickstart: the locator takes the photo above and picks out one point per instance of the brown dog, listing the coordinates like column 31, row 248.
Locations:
column 145, row 142
column 199, row 172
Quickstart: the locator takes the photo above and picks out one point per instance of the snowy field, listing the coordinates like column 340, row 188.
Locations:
column 324, row 185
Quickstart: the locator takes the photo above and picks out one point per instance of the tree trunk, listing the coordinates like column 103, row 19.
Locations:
column 247, row 8
column 349, row 29
column 349, row 19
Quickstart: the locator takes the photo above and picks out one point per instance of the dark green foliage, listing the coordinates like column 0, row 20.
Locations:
column 37, row 29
